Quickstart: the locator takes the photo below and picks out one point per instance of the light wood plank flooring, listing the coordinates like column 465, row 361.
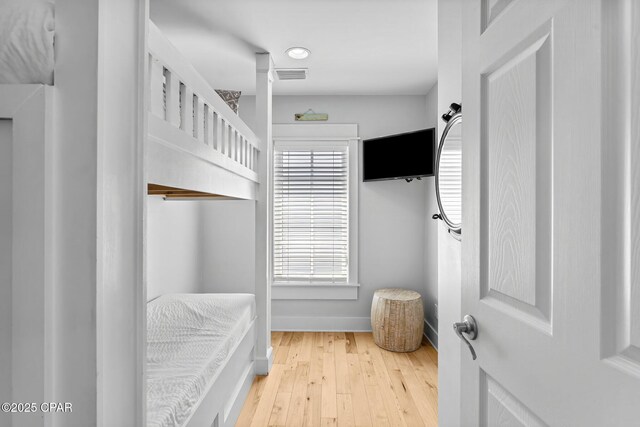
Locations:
column 344, row 379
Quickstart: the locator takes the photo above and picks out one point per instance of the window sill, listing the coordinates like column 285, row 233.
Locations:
column 310, row 291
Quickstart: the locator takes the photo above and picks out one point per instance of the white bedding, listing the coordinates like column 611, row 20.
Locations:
column 26, row 42
column 188, row 338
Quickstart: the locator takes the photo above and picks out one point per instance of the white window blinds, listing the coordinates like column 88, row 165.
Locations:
column 311, row 215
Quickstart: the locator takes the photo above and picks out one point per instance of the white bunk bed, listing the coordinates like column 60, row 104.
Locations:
column 197, row 148
column 196, row 142
column 199, row 358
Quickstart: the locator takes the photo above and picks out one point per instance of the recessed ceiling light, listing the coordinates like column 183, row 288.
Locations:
column 298, row 52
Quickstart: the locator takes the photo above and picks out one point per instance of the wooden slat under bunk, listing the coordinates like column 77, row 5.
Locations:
column 172, row 193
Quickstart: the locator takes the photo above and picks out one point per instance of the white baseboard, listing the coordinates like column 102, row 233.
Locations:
column 264, row 364
column 320, row 324
column 431, row 334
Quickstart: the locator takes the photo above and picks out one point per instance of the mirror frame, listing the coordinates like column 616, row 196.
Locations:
column 454, row 229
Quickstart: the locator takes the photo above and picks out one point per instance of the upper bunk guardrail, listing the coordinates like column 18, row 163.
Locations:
column 182, row 99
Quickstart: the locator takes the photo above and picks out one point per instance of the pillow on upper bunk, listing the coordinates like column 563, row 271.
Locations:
column 231, row 97
column 26, row 42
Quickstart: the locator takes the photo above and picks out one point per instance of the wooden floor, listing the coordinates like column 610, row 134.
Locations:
column 337, row 378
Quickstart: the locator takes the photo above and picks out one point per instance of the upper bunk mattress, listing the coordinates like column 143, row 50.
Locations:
column 26, row 42
column 189, row 336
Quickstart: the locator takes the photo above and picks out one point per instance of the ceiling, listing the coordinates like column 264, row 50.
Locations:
column 358, row 47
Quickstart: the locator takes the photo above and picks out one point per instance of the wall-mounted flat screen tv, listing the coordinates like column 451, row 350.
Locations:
column 402, row 156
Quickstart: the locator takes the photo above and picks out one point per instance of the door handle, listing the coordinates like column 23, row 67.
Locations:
column 470, row 327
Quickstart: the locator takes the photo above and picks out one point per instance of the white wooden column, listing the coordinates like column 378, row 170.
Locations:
column 98, row 194
column 264, row 80
column 121, row 212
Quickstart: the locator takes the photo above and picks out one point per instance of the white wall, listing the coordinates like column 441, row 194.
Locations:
column 449, row 249
column 200, row 246
column 392, row 213
column 431, row 232
column 228, row 239
column 174, row 256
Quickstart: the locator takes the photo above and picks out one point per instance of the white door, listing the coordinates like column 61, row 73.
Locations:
column 551, row 212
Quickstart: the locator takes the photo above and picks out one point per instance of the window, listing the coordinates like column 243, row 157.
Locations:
column 311, row 215
column 314, row 217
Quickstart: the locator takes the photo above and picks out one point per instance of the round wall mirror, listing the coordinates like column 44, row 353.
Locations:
column 449, row 172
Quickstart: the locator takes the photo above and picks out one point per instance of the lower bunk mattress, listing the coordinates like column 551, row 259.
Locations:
column 189, row 337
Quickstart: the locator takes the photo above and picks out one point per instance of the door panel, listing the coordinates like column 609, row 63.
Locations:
column 516, row 204
column 551, row 212
column 491, row 10
column 501, row 408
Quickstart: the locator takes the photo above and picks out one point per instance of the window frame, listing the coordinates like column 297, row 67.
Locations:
column 310, row 136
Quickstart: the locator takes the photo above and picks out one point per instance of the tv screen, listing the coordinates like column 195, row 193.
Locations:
column 402, row 156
